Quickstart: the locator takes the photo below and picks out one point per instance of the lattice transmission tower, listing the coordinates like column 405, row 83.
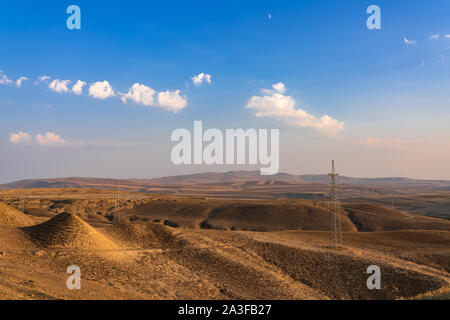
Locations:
column 116, row 216
column 334, row 207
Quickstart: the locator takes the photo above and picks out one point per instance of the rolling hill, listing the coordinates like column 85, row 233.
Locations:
column 231, row 177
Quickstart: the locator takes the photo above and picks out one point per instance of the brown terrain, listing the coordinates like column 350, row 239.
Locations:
column 425, row 197
column 219, row 244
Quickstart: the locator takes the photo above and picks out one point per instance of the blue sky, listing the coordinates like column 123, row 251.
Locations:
column 390, row 88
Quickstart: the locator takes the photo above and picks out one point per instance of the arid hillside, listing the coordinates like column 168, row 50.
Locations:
column 248, row 185
column 146, row 260
column 12, row 217
column 233, row 177
column 435, row 204
column 98, row 207
column 187, row 247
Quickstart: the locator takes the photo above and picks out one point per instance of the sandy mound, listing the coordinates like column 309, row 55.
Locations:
column 68, row 231
column 14, row 218
column 146, row 235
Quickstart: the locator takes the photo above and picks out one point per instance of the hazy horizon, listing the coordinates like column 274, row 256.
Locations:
column 211, row 172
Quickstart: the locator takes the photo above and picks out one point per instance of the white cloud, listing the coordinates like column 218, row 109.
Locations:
column 78, row 87
column 410, row 42
column 140, row 94
column 274, row 104
column 198, row 79
column 46, row 140
column 144, row 95
column 279, row 87
column 49, row 139
column 42, row 79
column 20, row 80
column 4, row 79
column 447, row 36
column 101, row 90
column 172, row 101
column 60, row 86
column 20, row 137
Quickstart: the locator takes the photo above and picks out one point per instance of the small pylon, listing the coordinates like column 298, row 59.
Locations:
column 116, row 216
column 23, row 203
column 334, row 206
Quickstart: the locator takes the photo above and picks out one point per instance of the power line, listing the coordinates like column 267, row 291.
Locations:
column 116, row 215
column 335, row 206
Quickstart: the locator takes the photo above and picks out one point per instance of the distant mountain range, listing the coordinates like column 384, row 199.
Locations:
column 227, row 178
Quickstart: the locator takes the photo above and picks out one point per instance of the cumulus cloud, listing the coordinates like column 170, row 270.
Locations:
column 42, row 79
column 277, row 88
column 20, row 80
column 409, row 42
column 274, row 104
column 144, row 95
column 20, row 137
column 198, row 79
column 46, row 140
column 60, row 86
column 172, row 101
column 49, row 139
column 447, row 36
column 4, row 79
column 78, row 87
column 140, row 94
column 101, row 90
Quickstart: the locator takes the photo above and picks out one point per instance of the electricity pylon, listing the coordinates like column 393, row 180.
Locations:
column 116, row 215
column 335, row 206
